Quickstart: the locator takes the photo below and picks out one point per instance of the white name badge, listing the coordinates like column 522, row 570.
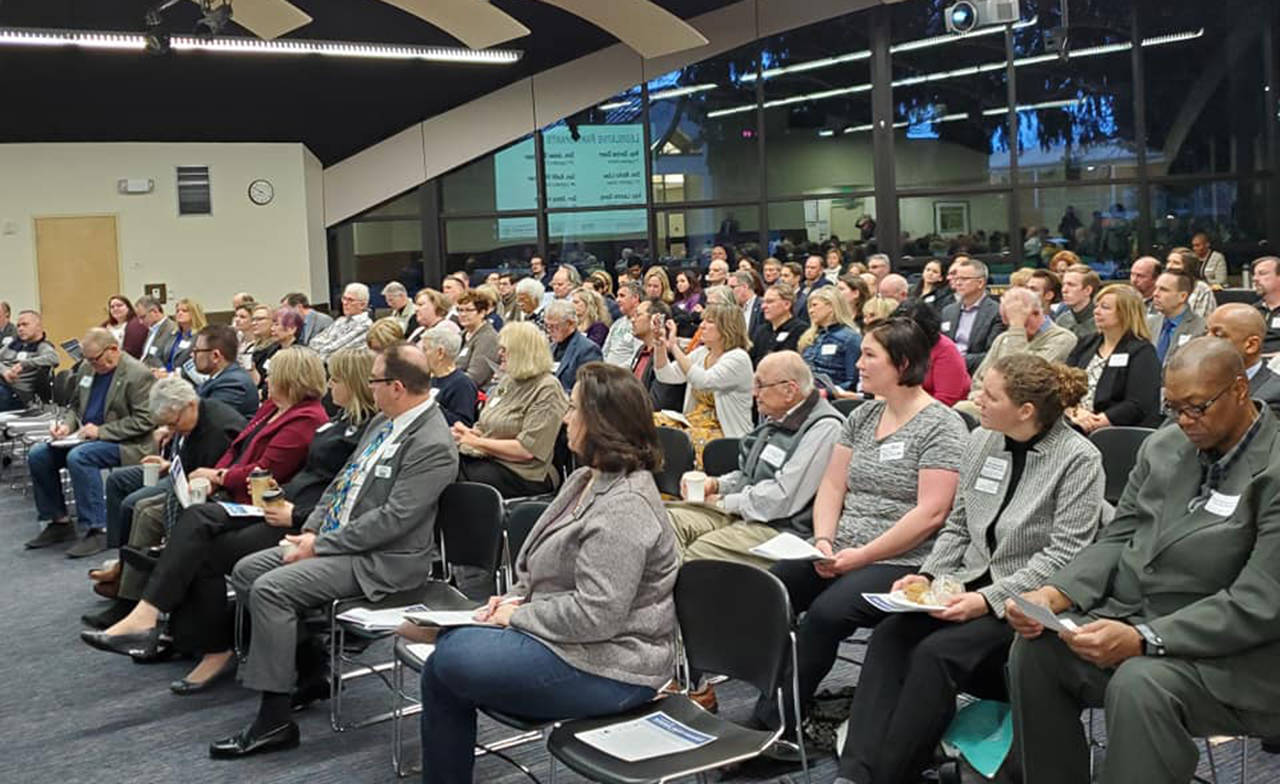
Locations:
column 930, row 298
column 829, row 349
column 151, row 352
column 184, row 344
column 773, row 455
column 86, row 382
column 946, row 326
column 22, row 355
column 7, row 340
column 1118, row 360
column 894, row 451
column 988, row 486
column 995, row 468
column 382, row 472
column 464, row 352
column 324, row 427
column 555, row 367
column 266, row 365
column 1183, row 339
column 781, row 336
column 1220, row 504
column 1275, row 322
column 389, row 451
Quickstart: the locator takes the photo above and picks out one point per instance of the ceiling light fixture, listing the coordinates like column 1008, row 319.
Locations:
column 18, row 36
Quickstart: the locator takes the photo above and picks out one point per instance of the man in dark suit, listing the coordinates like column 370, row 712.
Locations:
column 215, row 358
column 1243, row 326
column 371, row 534
column 160, row 331
column 742, row 283
column 570, row 349
column 973, row 320
column 1178, row 635
column 814, row 278
column 663, row 395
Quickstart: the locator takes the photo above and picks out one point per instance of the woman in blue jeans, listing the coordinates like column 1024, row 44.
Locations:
column 589, row 627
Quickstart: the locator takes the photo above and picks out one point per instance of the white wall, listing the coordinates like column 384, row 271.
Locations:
column 267, row 250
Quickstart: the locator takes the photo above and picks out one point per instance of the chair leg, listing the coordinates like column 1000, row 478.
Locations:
column 397, row 701
column 1213, row 767
column 1244, row 759
column 795, row 704
column 336, row 635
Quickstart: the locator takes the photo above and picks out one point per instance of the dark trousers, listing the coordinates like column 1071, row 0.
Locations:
column 906, row 696
column 834, row 609
column 508, row 483
column 189, row 582
column 9, row 400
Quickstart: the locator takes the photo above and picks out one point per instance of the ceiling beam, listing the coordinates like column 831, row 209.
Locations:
column 476, row 23
column 642, row 25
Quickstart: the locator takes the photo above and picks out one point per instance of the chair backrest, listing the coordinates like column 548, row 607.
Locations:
column 470, row 523
column 64, row 388
column 735, row 620
column 970, row 421
column 1119, row 448
column 720, row 456
column 846, row 405
column 520, row 520
column 677, row 458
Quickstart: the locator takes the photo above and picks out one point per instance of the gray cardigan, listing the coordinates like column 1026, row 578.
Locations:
column 597, row 575
column 1053, row 514
column 479, row 351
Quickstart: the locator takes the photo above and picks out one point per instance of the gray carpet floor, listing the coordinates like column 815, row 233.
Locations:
column 70, row 714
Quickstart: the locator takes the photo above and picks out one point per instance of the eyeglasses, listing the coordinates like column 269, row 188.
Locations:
column 757, row 386
column 1196, row 410
column 462, row 309
column 101, row 354
column 373, row 381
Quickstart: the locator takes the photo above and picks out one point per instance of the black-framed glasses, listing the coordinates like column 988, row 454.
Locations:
column 101, row 354
column 756, row 385
column 373, row 381
column 202, row 350
column 1196, row 410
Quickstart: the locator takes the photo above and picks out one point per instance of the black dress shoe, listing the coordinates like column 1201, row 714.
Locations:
column 113, row 614
column 141, row 560
column 184, row 687
column 53, row 533
column 308, row 692
column 244, row 743
column 162, row 652
column 136, row 644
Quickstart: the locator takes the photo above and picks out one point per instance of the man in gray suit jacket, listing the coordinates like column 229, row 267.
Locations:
column 160, row 331
column 1242, row 325
column 1173, row 323
column 973, row 320
column 1175, row 602
column 371, row 534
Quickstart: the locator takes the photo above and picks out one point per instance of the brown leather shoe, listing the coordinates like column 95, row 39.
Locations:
column 706, row 698
column 107, row 588
column 109, row 574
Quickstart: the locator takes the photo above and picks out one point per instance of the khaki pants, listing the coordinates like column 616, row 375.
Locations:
column 148, row 531
column 705, row 532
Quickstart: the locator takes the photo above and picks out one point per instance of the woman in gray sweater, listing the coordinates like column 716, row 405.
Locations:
column 589, row 627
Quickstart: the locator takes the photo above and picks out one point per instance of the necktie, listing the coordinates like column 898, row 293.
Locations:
column 333, row 515
column 1166, row 334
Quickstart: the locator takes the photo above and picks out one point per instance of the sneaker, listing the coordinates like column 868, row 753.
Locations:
column 55, row 533
column 93, row 543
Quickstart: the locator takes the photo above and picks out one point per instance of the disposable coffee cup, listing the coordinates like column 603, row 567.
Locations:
column 259, row 483
column 150, row 474
column 287, row 547
column 199, row 490
column 695, row 486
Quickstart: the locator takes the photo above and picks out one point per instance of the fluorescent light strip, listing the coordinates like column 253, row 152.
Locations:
column 676, row 92
column 1091, row 51
column 1032, row 106
column 182, row 43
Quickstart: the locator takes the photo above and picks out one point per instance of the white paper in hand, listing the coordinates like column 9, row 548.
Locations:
column 897, row 603
column 677, row 416
column 179, row 479
column 647, row 737
column 445, row 619
column 1044, row 616
column 788, row 547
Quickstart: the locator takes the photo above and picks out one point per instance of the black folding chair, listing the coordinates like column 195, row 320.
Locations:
column 1119, row 448
column 677, row 458
column 734, row 620
column 970, row 421
column 846, row 405
column 720, row 456
column 520, row 521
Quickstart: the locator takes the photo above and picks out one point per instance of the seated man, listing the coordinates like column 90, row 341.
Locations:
column 225, row 380
column 1176, row 602
column 1173, row 323
column 1242, row 326
column 26, row 361
column 570, row 348
column 371, row 534
column 114, row 424
column 349, row 329
column 663, row 395
column 780, row 465
column 973, row 320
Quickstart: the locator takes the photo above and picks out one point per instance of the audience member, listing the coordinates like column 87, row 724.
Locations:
column 313, row 321
column 591, row 314
column 27, row 362
column 602, row 283
column 1060, row 263
column 895, row 287
column 267, row 330
column 478, row 355
column 813, row 280
column 370, row 534
column 1213, row 265
column 887, row 489
column 834, row 264
column 7, row 329
column 530, row 297
column 109, row 426
column 973, row 320
column 1242, row 326
column 538, row 271
column 570, row 348
column 878, row 264
column 1028, row 331
column 932, row 288
column 1080, row 285
column 173, row 356
column 770, row 271
column 1142, row 276
column 349, row 329
column 123, row 323
column 485, row 298
column 621, row 344
column 1123, row 369
column 242, row 323
column 743, row 285
column 402, row 309
column 877, row 309
column 513, row 443
column 565, row 280
column 855, row 292
column 506, row 308
column 1175, row 602
column 241, row 298
column 947, row 379
column 1202, row 301
column 656, row 284
column 1174, row 323
column 832, row 344
column 590, row 618
column 160, row 330
column 779, row 330
column 430, row 310
column 215, row 360
column 780, row 465
column 717, row 272
column 456, row 393
column 1019, row 277
column 648, row 324
column 1049, row 288
column 1029, row 498
column 383, row 332
column 688, row 294
column 1266, row 281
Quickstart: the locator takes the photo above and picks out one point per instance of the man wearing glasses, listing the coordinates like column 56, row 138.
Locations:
column 350, row 329
column 215, row 360
column 110, row 426
column 1177, row 633
column 973, row 320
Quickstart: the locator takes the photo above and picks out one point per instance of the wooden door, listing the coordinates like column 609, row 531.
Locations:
column 78, row 269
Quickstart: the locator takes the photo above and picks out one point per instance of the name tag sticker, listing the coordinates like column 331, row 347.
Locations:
column 1222, row 505
column 894, row 451
column 781, row 336
column 324, row 427
column 773, row 455
column 184, row 344
column 389, row 451
column 1183, row 339
column 22, row 355
column 995, row 468
column 382, row 472
column 829, row 349
column 1275, row 322
column 555, row 367
column 988, row 486
column 946, row 326
column 464, row 352
column 1118, row 360
column 7, row 340
column 151, row 352
column 86, row 382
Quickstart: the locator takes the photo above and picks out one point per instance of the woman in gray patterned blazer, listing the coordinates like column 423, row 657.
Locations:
column 1029, row 498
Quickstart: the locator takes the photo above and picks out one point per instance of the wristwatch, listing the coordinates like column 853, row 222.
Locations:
column 1152, row 643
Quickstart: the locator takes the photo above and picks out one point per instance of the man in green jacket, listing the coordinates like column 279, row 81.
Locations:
column 1177, row 602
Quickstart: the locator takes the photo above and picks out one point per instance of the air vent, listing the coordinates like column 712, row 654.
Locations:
column 193, row 191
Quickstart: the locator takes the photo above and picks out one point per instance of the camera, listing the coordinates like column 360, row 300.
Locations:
column 968, row 15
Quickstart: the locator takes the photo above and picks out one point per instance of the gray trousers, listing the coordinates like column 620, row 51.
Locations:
column 148, row 530
column 1155, row 709
column 277, row 595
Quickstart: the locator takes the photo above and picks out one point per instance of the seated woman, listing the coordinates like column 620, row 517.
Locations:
column 832, row 344
column 513, row 443
column 948, row 378
column 1029, row 499
column 286, row 325
column 887, row 490
column 689, row 298
column 456, row 394
column 591, row 620
column 876, row 309
column 383, row 333
column 431, row 308
column 657, row 285
column 593, row 316
column 277, row 439
column 479, row 353
column 242, row 321
column 718, row 374
column 932, row 289
column 855, row 292
column 125, row 325
column 189, row 317
column 1123, row 369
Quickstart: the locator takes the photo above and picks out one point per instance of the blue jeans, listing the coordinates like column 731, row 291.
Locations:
column 508, row 671
column 9, row 400
column 84, row 462
column 124, row 491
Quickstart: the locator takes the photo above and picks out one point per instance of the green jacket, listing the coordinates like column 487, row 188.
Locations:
column 127, row 421
column 1207, row 581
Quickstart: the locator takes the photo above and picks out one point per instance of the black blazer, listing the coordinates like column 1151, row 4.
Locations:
column 987, row 326
column 938, row 299
column 327, row 454
column 1128, row 395
column 1265, row 386
column 217, row 427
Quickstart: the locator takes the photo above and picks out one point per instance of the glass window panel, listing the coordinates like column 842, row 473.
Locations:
column 596, row 157
column 702, row 129
column 793, row 224
column 407, row 205
column 481, row 244
column 1232, row 213
column 1099, row 223
column 596, row 239
column 377, row 251
column 1206, row 105
column 504, row 180
column 941, row 226
column 689, row 234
